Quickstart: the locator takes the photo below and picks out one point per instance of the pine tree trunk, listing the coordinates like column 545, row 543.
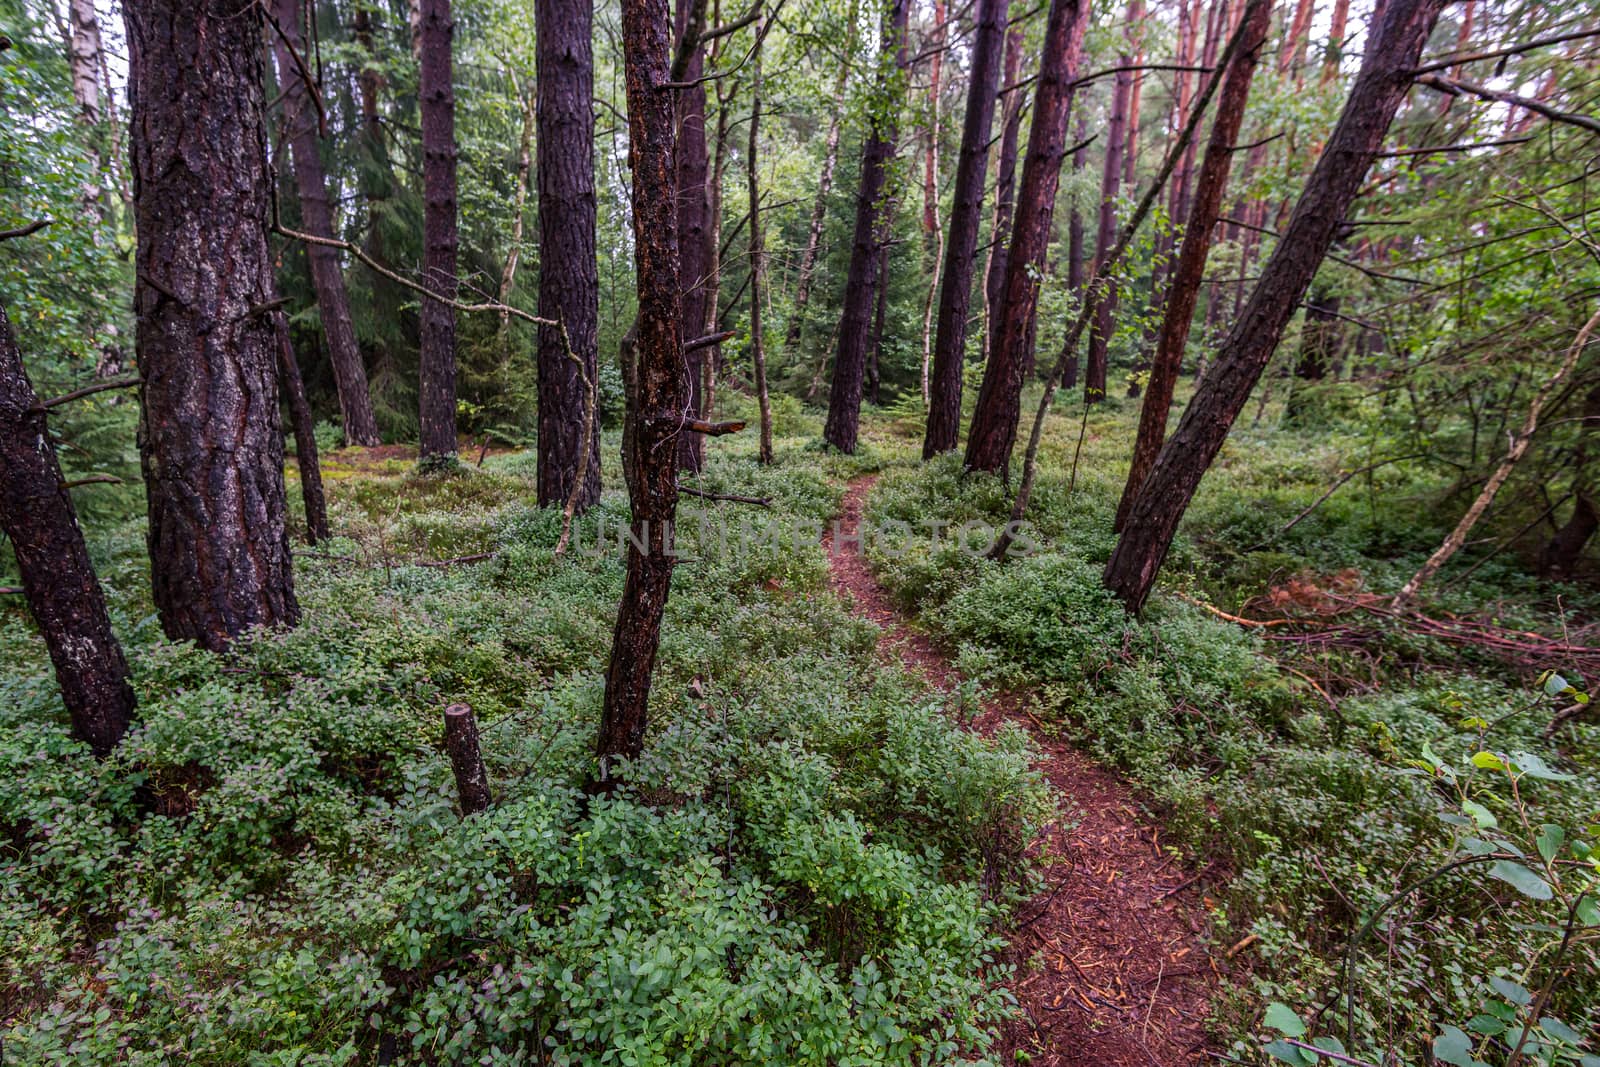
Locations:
column 436, row 387
column 1318, row 216
column 1075, row 242
column 661, row 390
column 569, row 273
column 693, row 254
column 949, row 354
column 994, row 421
column 719, row 164
column 758, row 255
column 304, row 425
column 58, row 580
column 376, row 174
column 209, row 434
column 316, row 215
column 860, row 295
column 1094, row 377
column 1337, row 27
column 1189, row 272
column 819, row 216
column 1005, row 188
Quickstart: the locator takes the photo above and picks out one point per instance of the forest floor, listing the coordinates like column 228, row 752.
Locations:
column 1112, row 967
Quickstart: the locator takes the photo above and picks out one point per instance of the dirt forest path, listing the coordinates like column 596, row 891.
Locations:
column 1111, row 968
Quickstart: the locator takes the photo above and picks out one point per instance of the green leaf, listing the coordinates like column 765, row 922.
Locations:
column 1531, row 766
column 1551, row 838
column 1560, row 1030
column 1489, row 761
column 1555, row 685
column 1521, row 879
column 1487, row 1025
column 1287, row 1053
column 1480, row 814
column 1283, row 1019
column 1511, row 991
column 1454, row 1047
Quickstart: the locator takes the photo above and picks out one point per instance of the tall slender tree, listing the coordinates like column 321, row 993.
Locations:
column 37, row 516
column 758, row 253
column 994, row 421
column 1189, row 272
column 207, row 342
column 694, row 255
column 1075, row 238
column 949, row 353
column 819, row 212
column 1398, row 38
column 84, row 58
column 1096, row 366
column 569, row 273
column 861, row 283
column 660, row 392
column 1005, row 189
column 436, row 385
column 299, row 129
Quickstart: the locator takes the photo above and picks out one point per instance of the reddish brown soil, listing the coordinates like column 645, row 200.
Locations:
column 1111, row 967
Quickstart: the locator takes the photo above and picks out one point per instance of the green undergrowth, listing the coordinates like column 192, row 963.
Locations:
column 1313, row 787
column 808, row 865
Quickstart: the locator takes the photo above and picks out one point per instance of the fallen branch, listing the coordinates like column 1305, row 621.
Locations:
column 759, row 501
column 476, row 557
column 1237, row 620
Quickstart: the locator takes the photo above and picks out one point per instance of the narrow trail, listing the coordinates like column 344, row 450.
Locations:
column 1111, row 967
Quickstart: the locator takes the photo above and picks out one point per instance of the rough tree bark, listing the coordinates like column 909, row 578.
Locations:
column 693, row 254
column 209, row 436
column 436, row 386
column 1382, row 84
column 950, row 345
column 1005, row 188
column 316, row 217
column 1097, row 364
column 932, row 233
column 994, row 421
column 569, row 273
column 1075, row 242
column 304, row 425
column 860, row 294
column 58, row 580
column 758, row 254
column 1189, row 272
column 661, row 391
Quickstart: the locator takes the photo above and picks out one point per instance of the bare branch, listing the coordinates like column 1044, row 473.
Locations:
column 24, row 231
column 1456, row 87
